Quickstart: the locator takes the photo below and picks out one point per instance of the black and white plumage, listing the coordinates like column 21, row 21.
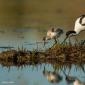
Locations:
column 53, row 33
column 78, row 27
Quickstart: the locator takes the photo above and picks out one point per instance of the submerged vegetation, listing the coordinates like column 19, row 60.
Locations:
column 58, row 54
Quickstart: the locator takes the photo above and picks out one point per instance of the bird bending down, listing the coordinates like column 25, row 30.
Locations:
column 53, row 33
column 78, row 27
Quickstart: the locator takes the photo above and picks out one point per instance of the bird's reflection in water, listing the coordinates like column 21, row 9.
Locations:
column 78, row 82
column 52, row 77
column 69, row 79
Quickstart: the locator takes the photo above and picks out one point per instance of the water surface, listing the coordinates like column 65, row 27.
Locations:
column 31, row 75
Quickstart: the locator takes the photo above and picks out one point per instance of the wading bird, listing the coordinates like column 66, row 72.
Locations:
column 53, row 33
column 79, row 26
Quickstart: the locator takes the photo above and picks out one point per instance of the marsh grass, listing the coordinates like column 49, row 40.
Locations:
column 58, row 54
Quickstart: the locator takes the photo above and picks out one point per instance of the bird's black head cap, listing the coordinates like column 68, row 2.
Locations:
column 81, row 18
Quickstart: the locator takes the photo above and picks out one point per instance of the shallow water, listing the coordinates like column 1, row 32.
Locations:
column 29, row 38
column 31, row 75
column 23, row 37
column 25, row 22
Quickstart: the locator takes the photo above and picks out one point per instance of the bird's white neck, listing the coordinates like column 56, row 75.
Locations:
column 78, row 26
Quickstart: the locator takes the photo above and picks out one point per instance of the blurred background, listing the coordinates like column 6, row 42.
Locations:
column 27, row 21
column 40, row 13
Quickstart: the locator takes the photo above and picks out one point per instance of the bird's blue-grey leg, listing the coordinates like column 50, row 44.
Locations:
column 55, row 40
column 44, row 43
column 70, row 41
column 64, row 40
column 76, row 40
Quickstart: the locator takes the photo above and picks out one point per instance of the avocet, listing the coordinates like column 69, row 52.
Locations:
column 79, row 26
column 53, row 33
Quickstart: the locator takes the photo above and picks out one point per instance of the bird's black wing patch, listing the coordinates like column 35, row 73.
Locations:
column 81, row 18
